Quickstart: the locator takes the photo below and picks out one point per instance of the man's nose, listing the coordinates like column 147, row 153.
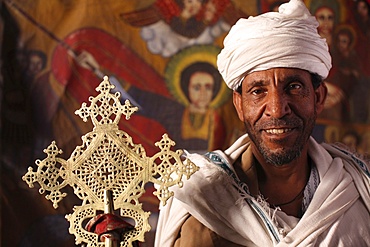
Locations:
column 277, row 105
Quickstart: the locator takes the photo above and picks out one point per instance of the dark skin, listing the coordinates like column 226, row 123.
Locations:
column 279, row 107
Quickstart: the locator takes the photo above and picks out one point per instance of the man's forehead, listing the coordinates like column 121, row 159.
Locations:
column 277, row 74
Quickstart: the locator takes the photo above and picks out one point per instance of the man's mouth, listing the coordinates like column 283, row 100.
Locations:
column 278, row 131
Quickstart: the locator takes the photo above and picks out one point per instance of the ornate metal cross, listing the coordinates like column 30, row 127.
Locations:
column 108, row 160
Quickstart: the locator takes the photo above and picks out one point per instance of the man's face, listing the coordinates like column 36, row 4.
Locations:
column 279, row 108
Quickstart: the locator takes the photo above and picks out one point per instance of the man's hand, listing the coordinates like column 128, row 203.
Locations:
column 110, row 226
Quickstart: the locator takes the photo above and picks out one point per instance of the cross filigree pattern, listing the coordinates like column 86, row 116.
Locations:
column 109, row 160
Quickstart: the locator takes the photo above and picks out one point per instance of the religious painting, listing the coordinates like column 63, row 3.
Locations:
column 53, row 65
column 194, row 80
column 170, row 25
column 346, row 116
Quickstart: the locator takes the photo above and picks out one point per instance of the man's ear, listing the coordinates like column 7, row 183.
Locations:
column 238, row 104
column 320, row 97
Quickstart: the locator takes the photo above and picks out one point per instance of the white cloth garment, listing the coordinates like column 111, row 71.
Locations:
column 338, row 214
column 287, row 38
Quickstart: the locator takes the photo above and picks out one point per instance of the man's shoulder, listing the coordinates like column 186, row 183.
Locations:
column 338, row 150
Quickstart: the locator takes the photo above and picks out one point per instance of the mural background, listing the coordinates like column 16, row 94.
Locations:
column 54, row 54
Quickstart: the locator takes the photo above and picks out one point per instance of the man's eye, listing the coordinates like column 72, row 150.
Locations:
column 294, row 86
column 257, row 91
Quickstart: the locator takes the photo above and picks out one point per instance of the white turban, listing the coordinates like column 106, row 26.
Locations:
column 287, row 38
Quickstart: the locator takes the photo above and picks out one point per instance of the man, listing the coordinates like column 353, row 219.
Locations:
column 275, row 186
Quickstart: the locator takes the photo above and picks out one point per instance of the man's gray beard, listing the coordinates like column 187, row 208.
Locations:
column 281, row 158
column 286, row 155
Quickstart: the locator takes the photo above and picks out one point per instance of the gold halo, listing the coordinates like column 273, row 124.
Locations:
column 183, row 59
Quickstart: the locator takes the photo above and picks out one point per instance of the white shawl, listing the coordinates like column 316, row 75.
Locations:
column 338, row 214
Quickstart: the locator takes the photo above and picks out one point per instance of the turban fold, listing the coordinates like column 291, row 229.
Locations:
column 287, row 38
